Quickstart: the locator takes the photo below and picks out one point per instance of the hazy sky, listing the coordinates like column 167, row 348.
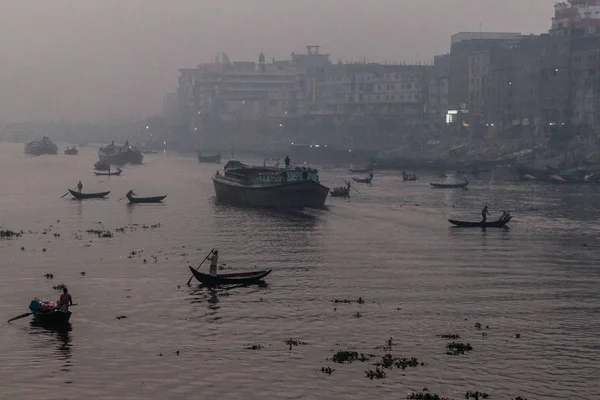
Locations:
column 85, row 60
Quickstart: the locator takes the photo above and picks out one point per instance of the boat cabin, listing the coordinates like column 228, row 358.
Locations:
column 268, row 175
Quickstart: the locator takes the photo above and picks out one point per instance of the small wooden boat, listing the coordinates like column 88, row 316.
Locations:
column 492, row 224
column 155, row 199
column 54, row 317
column 240, row 278
column 340, row 192
column 368, row 179
column 81, row 196
column 449, row 185
column 72, row 151
column 215, row 158
column 119, row 171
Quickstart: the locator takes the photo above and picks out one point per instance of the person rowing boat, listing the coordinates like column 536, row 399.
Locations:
column 65, row 301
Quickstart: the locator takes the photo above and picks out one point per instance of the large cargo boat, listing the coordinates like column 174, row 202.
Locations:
column 120, row 155
column 39, row 147
column 286, row 188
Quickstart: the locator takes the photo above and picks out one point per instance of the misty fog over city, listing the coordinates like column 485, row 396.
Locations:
column 300, row 199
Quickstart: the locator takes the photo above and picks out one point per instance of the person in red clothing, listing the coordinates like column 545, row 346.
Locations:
column 65, row 301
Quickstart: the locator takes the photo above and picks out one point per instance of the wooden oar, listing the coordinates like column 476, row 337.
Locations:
column 121, row 198
column 355, row 189
column 28, row 314
column 205, row 258
column 64, row 195
column 20, row 316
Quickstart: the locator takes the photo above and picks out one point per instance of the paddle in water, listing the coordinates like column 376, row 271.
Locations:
column 65, row 194
column 20, row 316
column 205, row 258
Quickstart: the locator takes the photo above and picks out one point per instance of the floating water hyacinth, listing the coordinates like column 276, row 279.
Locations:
column 456, row 348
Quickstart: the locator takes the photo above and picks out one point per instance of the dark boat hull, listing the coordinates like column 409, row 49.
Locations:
column 131, row 157
column 82, row 196
column 363, row 180
column 72, row 152
column 293, row 195
column 230, row 279
column 209, row 159
column 52, row 318
column 109, row 173
column 449, row 186
column 491, row 224
column 155, row 199
column 340, row 194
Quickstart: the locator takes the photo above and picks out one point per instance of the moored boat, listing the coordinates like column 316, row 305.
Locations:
column 213, row 158
column 39, row 147
column 286, row 188
column 492, row 224
column 82, row 196
column 154, row 199
column 240, row 278
column 120, row 155
column 449, row 185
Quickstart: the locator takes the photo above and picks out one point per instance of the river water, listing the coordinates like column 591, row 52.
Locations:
column 533, row 289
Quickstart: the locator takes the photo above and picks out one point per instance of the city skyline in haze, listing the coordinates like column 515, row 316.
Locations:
column 86, row 60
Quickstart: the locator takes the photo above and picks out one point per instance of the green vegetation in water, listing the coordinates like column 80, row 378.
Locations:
column 347, row 357
column 450, row 336
column 327, row 370
column 346, row 301
column 357, row 314
column 10, row 234
column 59, row 286
column 100, row 233
column 456, row 348
column 255, row 347
column 49, row 276
column 520, row 398
column 476, row 395
column 477, row 325
column 425, row 395
column 293, row 342
column 377, row 374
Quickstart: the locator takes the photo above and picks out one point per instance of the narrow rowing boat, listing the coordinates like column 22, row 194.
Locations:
column 81, row 196
column 54, row 317
column 239, row 278
column 492, row 224
column 449, row 185
column 119, row 171
column 155, row 199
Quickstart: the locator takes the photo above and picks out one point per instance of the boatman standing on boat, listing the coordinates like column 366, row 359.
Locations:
column 79, row 186
column 214, row 260
column 287, row 161
column 484, row 214
column 65, row 301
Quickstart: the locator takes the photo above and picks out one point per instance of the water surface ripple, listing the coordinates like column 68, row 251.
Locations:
column 390, row 245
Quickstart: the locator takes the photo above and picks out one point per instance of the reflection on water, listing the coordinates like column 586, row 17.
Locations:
column 59, row 337
column 389, row 245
